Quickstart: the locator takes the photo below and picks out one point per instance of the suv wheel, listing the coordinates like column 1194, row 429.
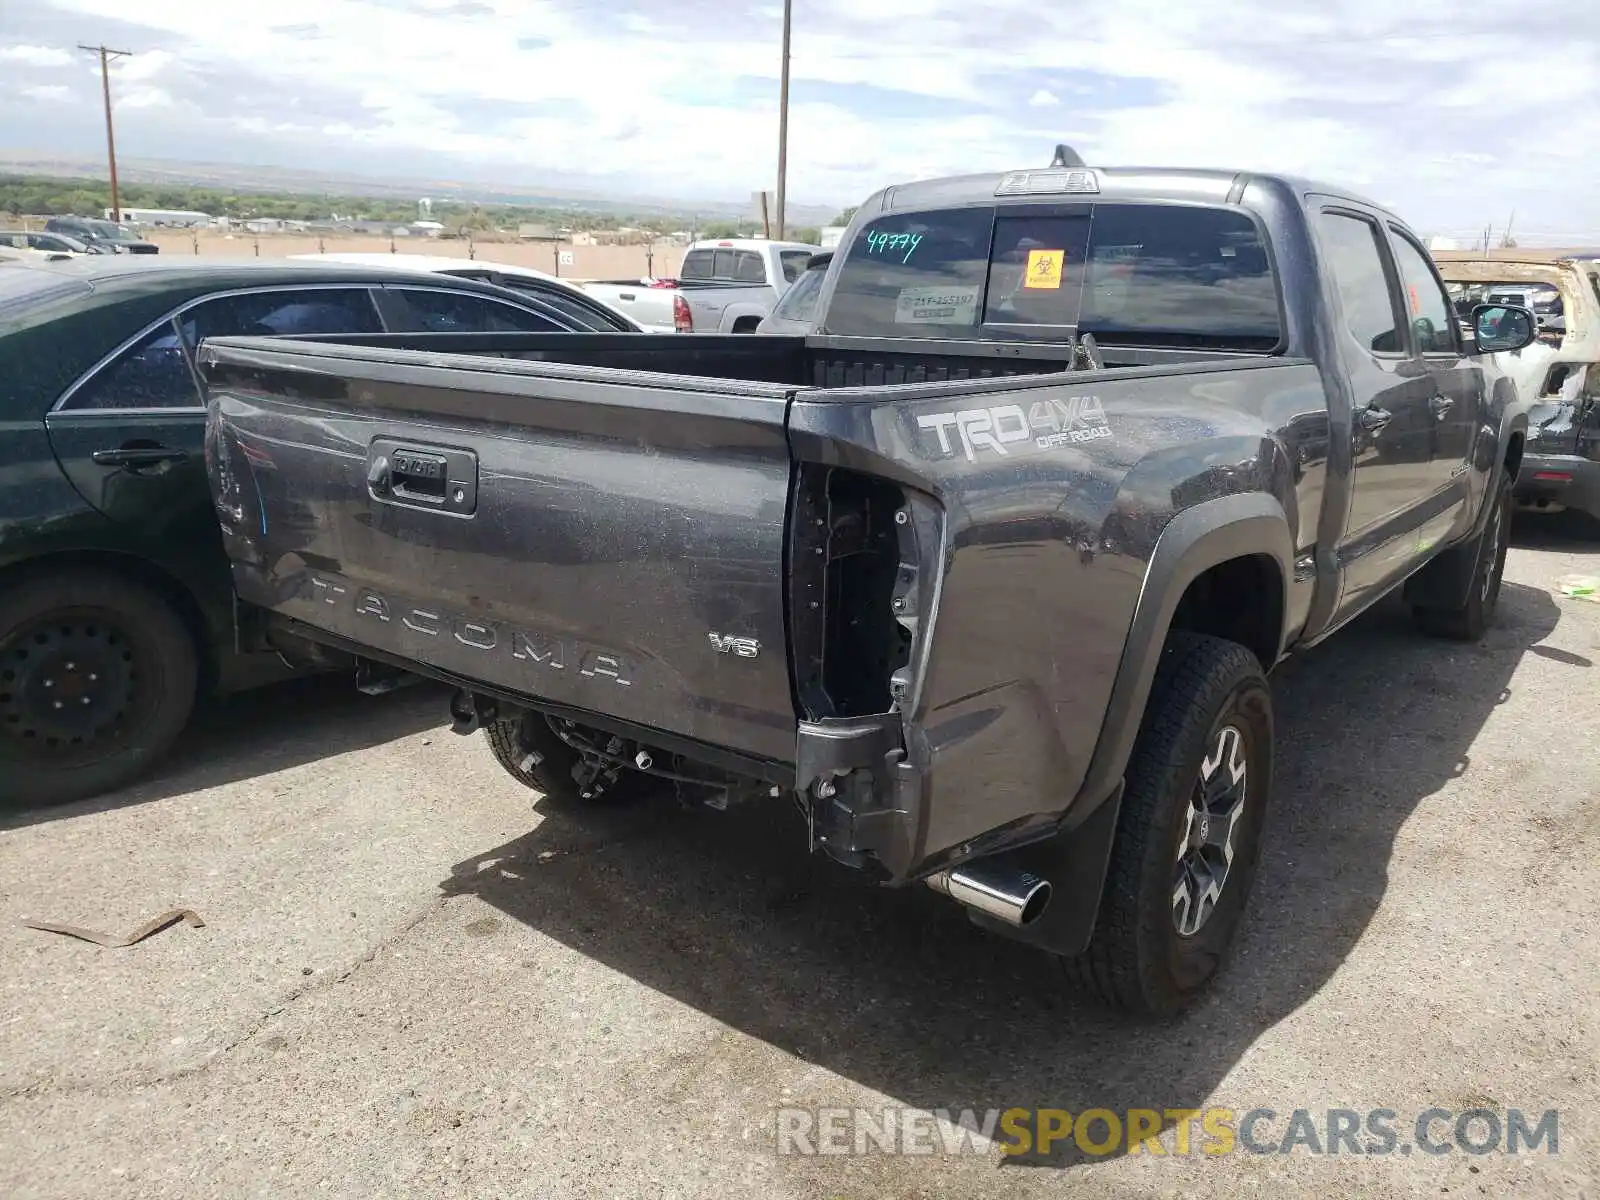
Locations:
column 1188, row 831
column 97, row 679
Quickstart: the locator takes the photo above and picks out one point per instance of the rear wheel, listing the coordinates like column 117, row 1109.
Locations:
column 1188, row 831
column 1486, row 553
column 97, row 679
column 531, row 748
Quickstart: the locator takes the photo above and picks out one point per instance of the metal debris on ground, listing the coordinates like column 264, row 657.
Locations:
column 154, row 925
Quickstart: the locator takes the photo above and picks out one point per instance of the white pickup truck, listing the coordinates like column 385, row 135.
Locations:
column 726, row 286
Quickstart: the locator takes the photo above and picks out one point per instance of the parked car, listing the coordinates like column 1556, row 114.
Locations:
column 584, row 308
column 106, row 235
column 796, row 311
column 1560, row 373
column 50, row 243
column 9, row 253
column 986, row 575
column 115, row 602
column 725, row 286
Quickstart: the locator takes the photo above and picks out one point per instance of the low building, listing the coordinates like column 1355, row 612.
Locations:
column 174, row 217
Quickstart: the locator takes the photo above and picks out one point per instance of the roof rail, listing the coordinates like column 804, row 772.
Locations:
column 1066, row 156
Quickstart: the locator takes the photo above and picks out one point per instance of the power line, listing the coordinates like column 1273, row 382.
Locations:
column 106, row 55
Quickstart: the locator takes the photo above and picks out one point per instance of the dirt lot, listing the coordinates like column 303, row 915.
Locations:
column 412, row 982
column 586, row 262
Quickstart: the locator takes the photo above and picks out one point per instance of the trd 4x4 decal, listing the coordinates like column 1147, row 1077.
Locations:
column 1046, row 423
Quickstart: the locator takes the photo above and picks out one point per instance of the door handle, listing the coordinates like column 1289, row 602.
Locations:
column 1441, row 406
column 1374, row 419
column 137, row 456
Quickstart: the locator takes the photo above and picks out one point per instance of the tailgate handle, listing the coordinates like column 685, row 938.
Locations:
column 426, row 477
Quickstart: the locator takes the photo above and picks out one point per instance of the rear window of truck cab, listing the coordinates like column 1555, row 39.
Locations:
column 1131, row 274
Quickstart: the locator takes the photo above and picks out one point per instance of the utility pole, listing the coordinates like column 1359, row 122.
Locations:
column 783, row 119
column 1505, row 238
column 111, row 141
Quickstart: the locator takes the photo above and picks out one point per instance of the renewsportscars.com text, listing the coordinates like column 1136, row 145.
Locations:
column 1166, row 1131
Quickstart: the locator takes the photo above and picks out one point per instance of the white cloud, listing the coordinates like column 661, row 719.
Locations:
column 1360, row 92
column 145, row 97
column 35, row 56
column 43, row 91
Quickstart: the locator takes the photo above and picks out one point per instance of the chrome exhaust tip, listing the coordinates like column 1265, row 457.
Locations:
column 1005, row 893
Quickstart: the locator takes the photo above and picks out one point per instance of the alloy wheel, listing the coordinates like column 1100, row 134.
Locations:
column 1205, row 848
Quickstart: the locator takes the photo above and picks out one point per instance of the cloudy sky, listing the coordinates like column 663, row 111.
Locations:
column 1456, row 113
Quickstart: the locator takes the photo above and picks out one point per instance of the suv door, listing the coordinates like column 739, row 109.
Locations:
column 1458, row 404
column 1392, row 426
column 131, row 435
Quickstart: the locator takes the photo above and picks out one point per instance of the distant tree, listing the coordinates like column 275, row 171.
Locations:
column 809, row 235
column 845, row 217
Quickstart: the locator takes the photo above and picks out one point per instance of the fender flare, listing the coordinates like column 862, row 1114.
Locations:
column 1513, row 422
column 1197, row 539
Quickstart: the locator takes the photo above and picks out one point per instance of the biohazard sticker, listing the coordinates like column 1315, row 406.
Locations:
column 1044, row 268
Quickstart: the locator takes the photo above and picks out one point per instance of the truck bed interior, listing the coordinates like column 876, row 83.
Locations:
column 808, row 361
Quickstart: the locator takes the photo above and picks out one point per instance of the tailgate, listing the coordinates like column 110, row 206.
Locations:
column 613, row 547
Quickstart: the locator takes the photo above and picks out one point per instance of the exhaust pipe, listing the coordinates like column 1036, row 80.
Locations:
column 1005, row 893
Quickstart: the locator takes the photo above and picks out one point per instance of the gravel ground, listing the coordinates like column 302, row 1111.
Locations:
column 413, row 981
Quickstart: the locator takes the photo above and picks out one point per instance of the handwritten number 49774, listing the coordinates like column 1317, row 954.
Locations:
column 893, row 243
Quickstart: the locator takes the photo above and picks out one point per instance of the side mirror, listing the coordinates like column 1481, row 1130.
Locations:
column 1501, row 328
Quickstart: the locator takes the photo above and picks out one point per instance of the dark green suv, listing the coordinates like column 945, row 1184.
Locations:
column 116, row 604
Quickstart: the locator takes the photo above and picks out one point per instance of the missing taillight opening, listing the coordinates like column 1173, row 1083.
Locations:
column 846, row 623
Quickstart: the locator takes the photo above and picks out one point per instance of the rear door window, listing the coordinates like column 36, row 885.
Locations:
column 1350, row 248
column 420, row 310
column 579, row 315
column 284, row 312
column 152, row 373
column 1131, row 274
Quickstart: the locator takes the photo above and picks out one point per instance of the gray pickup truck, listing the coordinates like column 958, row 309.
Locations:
column 985, row 576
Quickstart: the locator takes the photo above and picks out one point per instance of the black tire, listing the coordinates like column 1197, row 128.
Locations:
column 1486, row 553
column 97, row 679
column 1138, row 960
column 532, row 754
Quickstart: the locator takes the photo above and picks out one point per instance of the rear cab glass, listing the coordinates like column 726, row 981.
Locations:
column 724, row 265
column 1161, row 275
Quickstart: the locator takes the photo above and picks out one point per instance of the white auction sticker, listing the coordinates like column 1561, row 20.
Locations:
column 936, row 306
